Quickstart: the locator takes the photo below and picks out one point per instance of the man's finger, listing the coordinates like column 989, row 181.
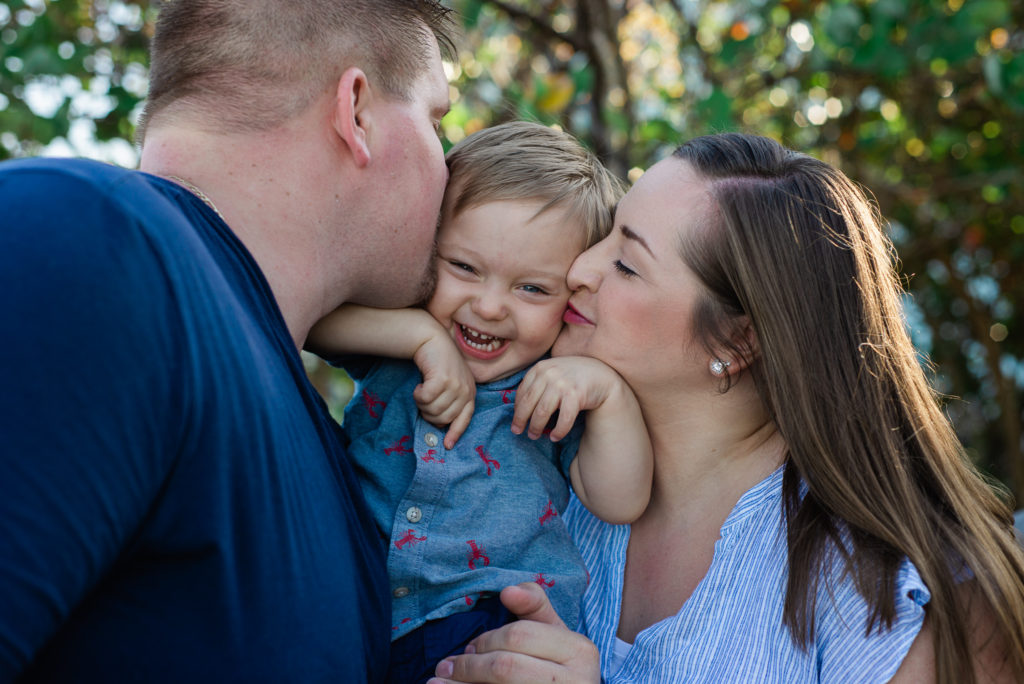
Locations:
column 530, row 602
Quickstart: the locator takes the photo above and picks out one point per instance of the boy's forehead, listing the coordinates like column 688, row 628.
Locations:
column 522, row 232
column 561, row 220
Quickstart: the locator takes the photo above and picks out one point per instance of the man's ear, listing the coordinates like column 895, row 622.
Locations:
column 351, row 119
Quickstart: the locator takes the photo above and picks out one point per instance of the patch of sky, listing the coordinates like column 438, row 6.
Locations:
column 916, row 324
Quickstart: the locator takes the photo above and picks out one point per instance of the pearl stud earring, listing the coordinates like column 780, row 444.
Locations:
column 718, row 367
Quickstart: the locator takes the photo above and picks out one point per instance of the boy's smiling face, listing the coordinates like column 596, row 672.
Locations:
column 501, row 288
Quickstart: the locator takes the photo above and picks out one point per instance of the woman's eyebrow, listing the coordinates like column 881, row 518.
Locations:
column 628, row 233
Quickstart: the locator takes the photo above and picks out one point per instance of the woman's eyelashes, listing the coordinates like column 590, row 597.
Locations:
column 623, row 269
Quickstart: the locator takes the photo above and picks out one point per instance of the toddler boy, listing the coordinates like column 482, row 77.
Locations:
column 467, row 514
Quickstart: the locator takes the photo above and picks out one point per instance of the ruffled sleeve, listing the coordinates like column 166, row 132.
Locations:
column 845, row 651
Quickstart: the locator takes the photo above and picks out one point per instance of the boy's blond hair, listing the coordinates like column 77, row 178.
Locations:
column 521, row 160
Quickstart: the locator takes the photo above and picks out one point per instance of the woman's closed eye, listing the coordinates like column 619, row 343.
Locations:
column 623, row 269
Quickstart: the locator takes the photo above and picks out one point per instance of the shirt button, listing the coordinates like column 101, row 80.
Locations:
column 431, row 439
column 413, row 514
column 400, row 592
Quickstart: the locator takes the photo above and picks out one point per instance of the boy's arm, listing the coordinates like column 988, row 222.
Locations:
column 354, row 329
column 613, row 468
column 446, row 395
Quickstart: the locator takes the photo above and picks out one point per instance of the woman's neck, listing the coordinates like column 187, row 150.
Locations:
column 709, row 450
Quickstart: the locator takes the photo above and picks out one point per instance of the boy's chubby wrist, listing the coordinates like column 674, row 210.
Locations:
column 617, row 396
column 426, row 329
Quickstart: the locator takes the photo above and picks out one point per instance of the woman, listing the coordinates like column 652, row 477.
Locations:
column 813, row 517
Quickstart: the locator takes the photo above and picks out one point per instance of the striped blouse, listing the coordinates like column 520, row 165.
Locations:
column 731, row 629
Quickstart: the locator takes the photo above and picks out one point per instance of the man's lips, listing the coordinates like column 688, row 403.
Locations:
column 574, row 317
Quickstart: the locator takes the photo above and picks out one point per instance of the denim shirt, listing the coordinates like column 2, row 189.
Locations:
column 464, row 522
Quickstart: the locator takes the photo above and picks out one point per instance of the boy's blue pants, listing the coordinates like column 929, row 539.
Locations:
column 415, row 655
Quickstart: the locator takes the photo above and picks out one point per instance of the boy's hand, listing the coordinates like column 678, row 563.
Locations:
column 568, row 385
column 447, row 394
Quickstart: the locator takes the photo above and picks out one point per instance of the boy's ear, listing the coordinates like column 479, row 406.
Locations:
column 351, row 114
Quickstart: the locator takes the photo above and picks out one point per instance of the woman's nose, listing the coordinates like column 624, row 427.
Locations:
column 584, row 272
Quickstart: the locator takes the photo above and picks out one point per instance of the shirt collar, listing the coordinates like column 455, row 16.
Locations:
column 754, row 502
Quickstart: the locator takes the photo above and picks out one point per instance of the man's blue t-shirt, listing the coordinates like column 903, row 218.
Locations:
column 175, row 502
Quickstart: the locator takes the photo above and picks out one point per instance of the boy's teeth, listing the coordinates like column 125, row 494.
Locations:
column 479, row 340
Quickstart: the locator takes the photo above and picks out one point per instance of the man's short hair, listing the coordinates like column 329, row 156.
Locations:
column 253, row 64
column 521, row 160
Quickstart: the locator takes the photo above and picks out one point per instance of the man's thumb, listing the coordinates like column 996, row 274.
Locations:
column 530, row 602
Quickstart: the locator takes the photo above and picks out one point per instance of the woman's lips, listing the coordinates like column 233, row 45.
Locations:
column 574, row 317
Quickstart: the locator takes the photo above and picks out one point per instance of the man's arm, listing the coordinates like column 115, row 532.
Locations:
column 91, row 401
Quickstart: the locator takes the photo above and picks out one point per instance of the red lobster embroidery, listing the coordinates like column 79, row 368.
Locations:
column 549, row 513
column 400, row 447
column 409, row 538
column 486, row 457
column 372, row 401
column 543, row 581
column 476, row 554
column 431, row 457
column 506, row 396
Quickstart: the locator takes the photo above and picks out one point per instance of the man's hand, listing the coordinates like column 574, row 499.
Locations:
column 537, row 648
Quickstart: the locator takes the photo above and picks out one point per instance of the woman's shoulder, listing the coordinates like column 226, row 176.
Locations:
column 853, row 642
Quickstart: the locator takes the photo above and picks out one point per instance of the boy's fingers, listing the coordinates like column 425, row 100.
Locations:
column 524, row 408
column 426, row 392
column 459, row 425
column 567, row 413
column 546, row 407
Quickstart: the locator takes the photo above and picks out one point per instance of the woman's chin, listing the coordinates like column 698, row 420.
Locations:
column 564, row 346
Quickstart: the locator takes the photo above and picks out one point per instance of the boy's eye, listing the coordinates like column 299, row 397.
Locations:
column 623, row 269
column 533, row 289
column 462, row 267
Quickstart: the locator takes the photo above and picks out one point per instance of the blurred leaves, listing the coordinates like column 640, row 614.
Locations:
column 922, row 102
column 72, row 72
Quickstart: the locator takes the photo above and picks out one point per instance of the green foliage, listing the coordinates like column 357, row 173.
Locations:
column 922, row 101
column 71, row 72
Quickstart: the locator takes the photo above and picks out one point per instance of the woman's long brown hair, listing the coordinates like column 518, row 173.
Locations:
column 796, row 249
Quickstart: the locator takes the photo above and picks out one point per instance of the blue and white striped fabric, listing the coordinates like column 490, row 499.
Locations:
column 731, row 629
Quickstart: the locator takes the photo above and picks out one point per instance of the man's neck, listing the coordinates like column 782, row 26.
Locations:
column 253, row 180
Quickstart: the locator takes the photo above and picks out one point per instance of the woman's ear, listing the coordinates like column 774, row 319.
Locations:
column 747, row 343
column 741, row 354
column 351, row 114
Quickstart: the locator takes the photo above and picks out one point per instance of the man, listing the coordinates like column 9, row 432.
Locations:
column 175, row 504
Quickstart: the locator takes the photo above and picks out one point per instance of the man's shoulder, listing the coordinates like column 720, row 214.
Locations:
column 62, row 170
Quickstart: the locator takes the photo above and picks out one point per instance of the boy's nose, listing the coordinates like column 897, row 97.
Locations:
column 490, row 306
